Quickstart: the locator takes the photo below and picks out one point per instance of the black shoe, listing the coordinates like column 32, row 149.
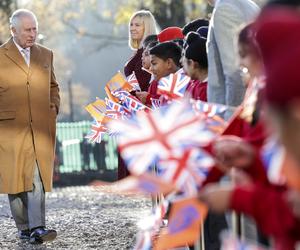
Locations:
column 24, row 234
column 40, row 235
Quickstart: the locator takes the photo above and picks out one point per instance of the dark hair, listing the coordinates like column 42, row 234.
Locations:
column 167, row 50
column 149, row 39
column 152, row 44
column 194, row 25
column 196, row 49
column 203, row 31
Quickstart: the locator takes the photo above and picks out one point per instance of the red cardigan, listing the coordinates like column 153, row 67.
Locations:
column 135, row 64
column 197, row 90
column 267, row 205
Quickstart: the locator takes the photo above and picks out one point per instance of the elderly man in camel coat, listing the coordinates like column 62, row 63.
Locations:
column 29, row 103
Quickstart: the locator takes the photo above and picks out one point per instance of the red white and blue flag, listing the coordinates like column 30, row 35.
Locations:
column 132, row 80
column 209, row 109
column 273, row 156
column 155, row 103
column 173, row 86
column 147, row 137
column 115, row 110
column 120, row 94
column 187, row 171
column 97, row 132
column 133, row 104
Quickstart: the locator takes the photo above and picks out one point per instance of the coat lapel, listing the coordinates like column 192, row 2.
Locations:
column 34, row 58
column 14, row 54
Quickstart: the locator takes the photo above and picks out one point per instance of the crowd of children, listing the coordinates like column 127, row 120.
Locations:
column 269, row 55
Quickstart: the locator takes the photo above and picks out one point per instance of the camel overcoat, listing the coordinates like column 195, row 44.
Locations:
column 29, row 103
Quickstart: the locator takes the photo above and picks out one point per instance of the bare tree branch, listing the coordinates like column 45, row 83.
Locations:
column 94, row 35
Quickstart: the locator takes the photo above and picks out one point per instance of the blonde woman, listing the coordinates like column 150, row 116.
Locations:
column 142, row 24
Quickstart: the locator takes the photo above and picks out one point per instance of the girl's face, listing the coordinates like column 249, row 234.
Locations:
column 188, row 66
column 146, row 58
column 137, row 29
column 249, row 61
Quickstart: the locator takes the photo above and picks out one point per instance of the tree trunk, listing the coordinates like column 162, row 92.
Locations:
column 172, row 14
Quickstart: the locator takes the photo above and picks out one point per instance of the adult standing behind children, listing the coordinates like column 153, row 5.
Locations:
column 225, row 85
column 29, row 105
column 141, row 25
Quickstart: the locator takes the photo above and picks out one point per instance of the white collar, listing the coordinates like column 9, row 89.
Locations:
column 20, row 48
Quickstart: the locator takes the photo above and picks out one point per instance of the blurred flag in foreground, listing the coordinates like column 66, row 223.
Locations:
column 185, row 221
column 142, row 184
column 147, row 137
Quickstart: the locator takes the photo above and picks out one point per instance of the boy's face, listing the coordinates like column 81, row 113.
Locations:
column 159, row 67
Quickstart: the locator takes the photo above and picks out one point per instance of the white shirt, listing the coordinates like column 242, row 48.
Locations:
column 24, row 52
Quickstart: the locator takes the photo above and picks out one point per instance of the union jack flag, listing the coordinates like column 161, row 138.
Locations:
column 147, row 137
column 173, row 86
column 273, row 156
column 212, row 114
column 97, row 132
column 209, row 109
column 155, row 103
column 132, row 80
column 186, row 171
column 120, row 94
column 114, row 110
column 133, row 104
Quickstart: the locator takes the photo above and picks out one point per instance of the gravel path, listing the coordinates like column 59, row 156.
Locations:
column 84, row 219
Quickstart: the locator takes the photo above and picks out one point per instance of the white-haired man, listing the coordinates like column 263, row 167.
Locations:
column 29, row 103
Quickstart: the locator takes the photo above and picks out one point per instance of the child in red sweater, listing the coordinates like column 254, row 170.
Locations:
column 275, row 209
column 164, row 60
column 195, row 65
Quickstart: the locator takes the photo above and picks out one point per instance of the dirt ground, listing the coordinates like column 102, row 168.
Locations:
column 84, row 218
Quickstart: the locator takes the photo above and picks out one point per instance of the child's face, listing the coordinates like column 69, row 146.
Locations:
column 188, row 67
column 146, row 58
column 249, row 61
column 159, row 67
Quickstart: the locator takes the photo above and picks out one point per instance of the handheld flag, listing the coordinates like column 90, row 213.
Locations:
column 173, row 86
column 185, row 221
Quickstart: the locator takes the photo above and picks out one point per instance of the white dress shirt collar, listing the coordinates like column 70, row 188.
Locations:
column 22, row 53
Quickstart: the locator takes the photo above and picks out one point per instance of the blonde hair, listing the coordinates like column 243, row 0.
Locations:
column 149, row 23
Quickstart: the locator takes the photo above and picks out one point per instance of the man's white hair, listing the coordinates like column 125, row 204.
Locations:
column 14, row 20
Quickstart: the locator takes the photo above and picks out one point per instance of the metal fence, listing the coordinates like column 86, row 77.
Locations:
column 75, row 154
